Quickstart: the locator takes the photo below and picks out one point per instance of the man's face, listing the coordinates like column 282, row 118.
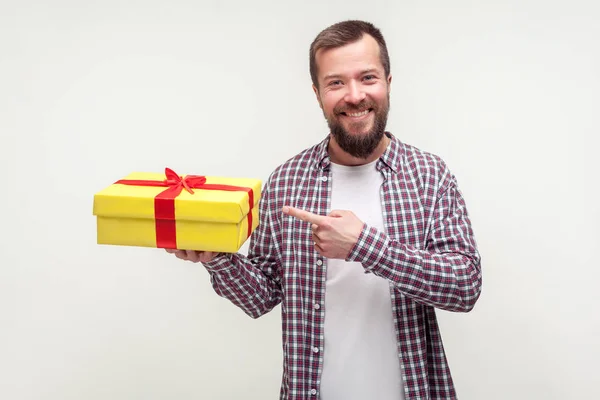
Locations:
column 354, row 95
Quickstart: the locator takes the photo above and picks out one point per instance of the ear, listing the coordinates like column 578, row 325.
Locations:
column 389, row 81
column 317, row 94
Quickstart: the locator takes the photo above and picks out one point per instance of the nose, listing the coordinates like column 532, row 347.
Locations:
column 355, row 93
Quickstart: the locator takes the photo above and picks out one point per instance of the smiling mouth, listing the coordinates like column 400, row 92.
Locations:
column 357, row 114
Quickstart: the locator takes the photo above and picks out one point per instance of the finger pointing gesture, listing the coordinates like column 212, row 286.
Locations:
column 305, row 216
column 334, row 235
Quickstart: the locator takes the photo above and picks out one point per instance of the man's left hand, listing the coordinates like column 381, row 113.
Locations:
column 334, row 235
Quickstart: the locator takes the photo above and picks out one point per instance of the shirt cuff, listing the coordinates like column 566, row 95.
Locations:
column 222, row 262
column 370, row 247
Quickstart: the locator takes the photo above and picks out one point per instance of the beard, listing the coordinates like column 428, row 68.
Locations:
column 359, row 145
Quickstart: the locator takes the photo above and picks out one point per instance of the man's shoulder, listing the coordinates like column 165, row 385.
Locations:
column 298, row 165
column 414, row 155
column 421, row 161
column 425, row 167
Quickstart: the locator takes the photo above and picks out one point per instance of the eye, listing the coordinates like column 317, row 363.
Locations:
column 335, row 83
column 369, row 77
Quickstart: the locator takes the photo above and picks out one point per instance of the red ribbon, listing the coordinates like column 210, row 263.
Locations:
column 164, row 202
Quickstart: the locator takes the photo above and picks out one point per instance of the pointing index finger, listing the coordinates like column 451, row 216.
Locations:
column 305, row 216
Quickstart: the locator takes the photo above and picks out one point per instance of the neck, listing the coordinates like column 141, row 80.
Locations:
column 339, row 156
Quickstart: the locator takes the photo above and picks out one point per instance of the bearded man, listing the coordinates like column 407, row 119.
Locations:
column 361, row 238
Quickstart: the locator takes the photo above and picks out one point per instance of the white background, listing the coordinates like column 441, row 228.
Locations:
column 507, row 92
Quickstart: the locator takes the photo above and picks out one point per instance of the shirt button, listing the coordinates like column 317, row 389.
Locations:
column 317, row 306
column 313, row 392
column 324, row 178
column 319, row 263
column 315, row 349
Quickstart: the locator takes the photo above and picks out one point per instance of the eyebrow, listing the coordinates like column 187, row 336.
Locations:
column 337, row 76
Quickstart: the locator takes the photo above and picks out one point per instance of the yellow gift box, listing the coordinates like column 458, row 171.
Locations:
column 189, row 212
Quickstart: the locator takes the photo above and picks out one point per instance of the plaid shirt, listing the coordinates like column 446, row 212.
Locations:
column 427, row 253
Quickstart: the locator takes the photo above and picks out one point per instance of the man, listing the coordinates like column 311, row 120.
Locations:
column 361, row 237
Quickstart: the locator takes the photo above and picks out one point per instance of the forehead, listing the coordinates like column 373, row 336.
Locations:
column 349, row 59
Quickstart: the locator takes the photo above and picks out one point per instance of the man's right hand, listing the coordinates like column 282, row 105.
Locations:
column 193, row 255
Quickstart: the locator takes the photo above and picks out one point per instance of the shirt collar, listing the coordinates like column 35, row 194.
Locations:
column 390, row 158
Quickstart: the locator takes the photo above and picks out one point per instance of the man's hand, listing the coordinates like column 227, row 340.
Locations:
column 334, row 235
column 193, row 255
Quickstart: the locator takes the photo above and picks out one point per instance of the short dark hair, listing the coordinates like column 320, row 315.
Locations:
column 341, row 34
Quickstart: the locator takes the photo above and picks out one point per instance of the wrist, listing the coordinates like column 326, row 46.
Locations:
column 370, row 247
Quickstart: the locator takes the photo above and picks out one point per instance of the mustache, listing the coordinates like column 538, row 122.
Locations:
column 355, row 107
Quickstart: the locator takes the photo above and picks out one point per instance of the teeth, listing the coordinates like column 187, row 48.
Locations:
column 360, row 114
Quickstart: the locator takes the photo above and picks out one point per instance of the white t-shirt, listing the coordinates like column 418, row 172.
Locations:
column 361, row 355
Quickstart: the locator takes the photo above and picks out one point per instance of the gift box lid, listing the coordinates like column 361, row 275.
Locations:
column 205, row 204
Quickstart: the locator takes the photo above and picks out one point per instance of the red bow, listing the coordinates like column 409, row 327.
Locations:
column 188, row 182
